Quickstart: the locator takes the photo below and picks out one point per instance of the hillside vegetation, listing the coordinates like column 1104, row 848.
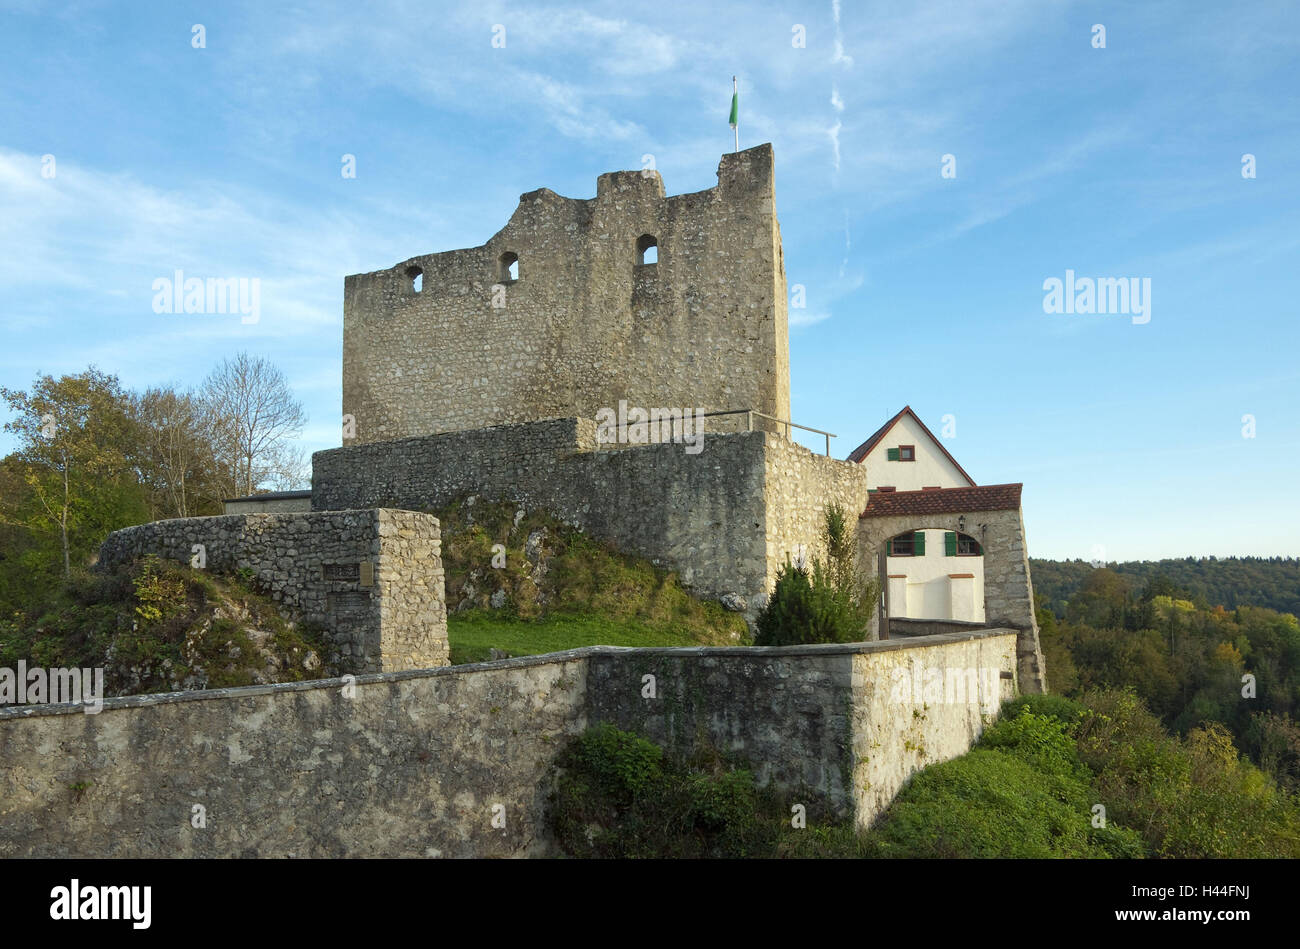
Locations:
column 1190, row 665
column 525, row 583
column 157, row 626
column 1052, row 778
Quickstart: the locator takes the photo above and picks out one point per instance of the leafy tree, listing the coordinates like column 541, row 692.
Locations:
column 1101, row 600
column 176, row 453
column 74, row 460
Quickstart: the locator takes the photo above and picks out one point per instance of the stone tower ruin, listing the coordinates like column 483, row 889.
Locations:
column 557, row 315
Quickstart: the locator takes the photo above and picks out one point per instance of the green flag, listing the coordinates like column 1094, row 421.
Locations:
column 735, row 109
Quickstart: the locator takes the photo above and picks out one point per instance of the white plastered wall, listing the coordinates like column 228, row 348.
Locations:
column 930, row 469
column 924, row 588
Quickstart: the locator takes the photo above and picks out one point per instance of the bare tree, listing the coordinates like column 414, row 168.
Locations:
column 252, row 417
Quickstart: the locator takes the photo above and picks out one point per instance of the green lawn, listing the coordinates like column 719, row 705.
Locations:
column 473, row 633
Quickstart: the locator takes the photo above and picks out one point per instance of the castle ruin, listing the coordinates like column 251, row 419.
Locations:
column 493, row 371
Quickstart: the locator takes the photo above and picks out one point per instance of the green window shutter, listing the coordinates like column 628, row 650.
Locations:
column 949, row 544
column 919, row 540
column 889, row 548
column 891, row 454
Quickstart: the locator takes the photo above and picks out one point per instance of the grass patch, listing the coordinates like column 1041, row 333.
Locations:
column 526, row 583
column 475, row 633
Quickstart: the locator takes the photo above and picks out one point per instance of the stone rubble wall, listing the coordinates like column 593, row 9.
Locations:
column 725, row 518
column 309, row 564
column 584, row 325
column 799, row 488
column 458, row 761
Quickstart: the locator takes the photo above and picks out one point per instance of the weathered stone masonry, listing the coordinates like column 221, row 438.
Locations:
column 726, row 518
column 413, row 764
column 584, row 325
column 372, row 578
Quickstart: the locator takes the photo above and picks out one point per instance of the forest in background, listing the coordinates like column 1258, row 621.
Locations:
column 1230, row 582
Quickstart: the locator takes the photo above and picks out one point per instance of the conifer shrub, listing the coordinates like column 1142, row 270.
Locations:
column 831, row 603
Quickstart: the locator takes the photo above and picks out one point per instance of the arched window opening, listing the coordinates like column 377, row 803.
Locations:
column 647, row 249
column 416, row 276
column 508, row 267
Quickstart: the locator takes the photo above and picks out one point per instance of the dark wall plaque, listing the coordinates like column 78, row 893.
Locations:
column 342, row 571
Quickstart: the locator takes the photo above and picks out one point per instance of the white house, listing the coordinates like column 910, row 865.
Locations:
column 931, row 573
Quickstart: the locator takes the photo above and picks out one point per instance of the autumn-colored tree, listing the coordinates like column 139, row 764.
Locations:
column 176, row 454
column 75, row 438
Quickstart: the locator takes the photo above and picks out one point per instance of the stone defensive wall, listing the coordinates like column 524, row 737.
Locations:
column 457, row 761
column 726, row 517
column 372, row 578
column 451, row 341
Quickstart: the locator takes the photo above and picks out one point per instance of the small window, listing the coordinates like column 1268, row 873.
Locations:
column 416, row 276
column 961, row 545
column 647, row 249
column 934, row 487
column 508, row 267
column 886, row 488
column 907, row 453
column 911, row 544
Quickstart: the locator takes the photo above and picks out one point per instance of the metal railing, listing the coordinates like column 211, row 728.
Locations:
column 749, row 423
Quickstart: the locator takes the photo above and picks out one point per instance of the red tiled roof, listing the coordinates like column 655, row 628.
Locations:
column 988, row 497
column 861, row 452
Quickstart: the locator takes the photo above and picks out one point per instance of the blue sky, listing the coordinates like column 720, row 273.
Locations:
column 1123, row 161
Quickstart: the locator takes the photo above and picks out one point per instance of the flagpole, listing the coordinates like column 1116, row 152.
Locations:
column 735, row 93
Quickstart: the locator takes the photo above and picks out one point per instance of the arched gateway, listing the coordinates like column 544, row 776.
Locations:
column 895, row 523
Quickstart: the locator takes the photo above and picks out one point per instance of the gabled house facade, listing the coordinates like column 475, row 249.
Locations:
column 930, row 574
column 948, row 551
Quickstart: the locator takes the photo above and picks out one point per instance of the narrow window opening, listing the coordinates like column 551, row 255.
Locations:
column 416, row 276
column 508, row 266
column 647, row 249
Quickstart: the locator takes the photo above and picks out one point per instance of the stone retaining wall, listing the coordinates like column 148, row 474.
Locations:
column 458, row 761
column 726, row 517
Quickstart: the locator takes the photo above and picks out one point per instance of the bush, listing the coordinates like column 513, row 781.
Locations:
column 831, row 604
column 622, row 764
column 990, row 803
column 1039, row 740
column 1067, row 711
column 617, row 796
column 804, row 608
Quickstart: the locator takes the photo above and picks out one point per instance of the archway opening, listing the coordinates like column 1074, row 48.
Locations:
column 935, row 575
